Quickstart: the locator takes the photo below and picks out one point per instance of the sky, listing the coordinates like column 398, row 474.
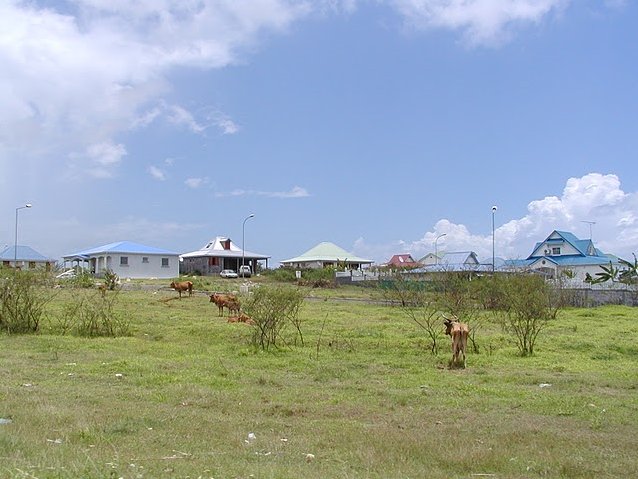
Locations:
column 378, row 125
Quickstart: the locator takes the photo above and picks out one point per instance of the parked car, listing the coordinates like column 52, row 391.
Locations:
column 244, row 271
column 228, row 273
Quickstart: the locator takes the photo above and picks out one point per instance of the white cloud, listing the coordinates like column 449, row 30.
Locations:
column 227, row 126
column 157, row 173
column 195, row 183
column 594, row 198
column 480, row 21
column 180, row 116
column 295, row 192
column 103, row 159
column 83, row 75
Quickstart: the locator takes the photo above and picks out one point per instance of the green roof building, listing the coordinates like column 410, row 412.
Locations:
column 327, row 254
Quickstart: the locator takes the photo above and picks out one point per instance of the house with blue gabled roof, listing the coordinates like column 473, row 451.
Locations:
column 25, row 257
column 562, row 253
column 128, row 260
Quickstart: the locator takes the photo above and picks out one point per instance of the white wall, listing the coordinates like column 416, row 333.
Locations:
column 138, row 268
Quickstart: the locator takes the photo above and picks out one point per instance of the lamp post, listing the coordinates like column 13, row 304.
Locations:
column 494, row 208
column 436, row 250
column 15, row 244
column 243, row 235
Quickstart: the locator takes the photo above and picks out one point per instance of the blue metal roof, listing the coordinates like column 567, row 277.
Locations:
column 122, row 247
column 23, row 253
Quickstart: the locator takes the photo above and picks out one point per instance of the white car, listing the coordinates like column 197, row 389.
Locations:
column 228, row 273
column 244, row 271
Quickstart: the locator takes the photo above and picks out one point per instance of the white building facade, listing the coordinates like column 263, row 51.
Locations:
column 127, row 260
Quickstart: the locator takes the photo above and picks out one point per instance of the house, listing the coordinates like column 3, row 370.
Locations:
column 402, row 261
column 25, row 257
column 324, row 255
column 562, row 253
column 218, row 254
column 452, row 261
column 127, row 260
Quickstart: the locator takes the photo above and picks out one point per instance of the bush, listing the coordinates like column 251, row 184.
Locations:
column 111, row 280
column 84, row 279
column 313, row 277
column 417, row 302
column 529, row 306
column 93, row 315
column 272, row 310
column 23, row 296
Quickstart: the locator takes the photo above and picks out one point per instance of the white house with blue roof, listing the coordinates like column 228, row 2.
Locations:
column 562, row 253
column 25, row 257
column 127, row 260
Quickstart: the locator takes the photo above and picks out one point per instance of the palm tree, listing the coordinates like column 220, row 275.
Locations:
column 608, row 273
column 630, row 273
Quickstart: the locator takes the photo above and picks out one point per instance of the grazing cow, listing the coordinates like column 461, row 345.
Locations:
column 458, row 332
column 222, row 301
column 183, row 286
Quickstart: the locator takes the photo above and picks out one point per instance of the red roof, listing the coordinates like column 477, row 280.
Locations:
column 403, row 261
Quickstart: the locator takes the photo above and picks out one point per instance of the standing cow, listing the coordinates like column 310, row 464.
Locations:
column 222, row 301
column 183, row 286
column 458, row 332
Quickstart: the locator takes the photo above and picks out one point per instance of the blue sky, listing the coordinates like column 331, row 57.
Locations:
column 375, row 124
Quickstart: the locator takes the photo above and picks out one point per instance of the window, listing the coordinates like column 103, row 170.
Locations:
column 555, row 250
column 123, row 260
column 164, row 262
column 144, row 259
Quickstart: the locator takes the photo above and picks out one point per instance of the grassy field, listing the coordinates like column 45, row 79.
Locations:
column 186, row 395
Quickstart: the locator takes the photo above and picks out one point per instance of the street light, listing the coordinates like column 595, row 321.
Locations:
column 243, row 249
column 15, row 244
column 494, row 208
column 436, row 250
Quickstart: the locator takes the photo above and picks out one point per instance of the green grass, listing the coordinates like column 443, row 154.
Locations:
column 179, row 397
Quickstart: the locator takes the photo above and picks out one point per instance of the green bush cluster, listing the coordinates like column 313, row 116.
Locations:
column 313, row 277
column 23, row 297
column 273, row 309
column 521, row 303
column 93, row 315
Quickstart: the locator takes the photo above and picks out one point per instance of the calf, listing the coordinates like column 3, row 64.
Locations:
column 222, row 301
column 183, row 286
column 458, row 332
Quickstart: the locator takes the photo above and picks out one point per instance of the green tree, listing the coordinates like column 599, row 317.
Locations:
column 273, row 309
column 418, row 303
column 530, row 304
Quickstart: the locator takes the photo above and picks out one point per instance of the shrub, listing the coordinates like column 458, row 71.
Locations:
column 23, row 297
column 84, row 279
column 313, row 277
column 93, row 315
column 529, row 306
column 273, row 309
column 111, row 280
column 418, row 303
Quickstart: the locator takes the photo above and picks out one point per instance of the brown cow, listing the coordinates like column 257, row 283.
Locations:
column 222, row 301
column 242, row 318
column 458, row 332
column 183, row 286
